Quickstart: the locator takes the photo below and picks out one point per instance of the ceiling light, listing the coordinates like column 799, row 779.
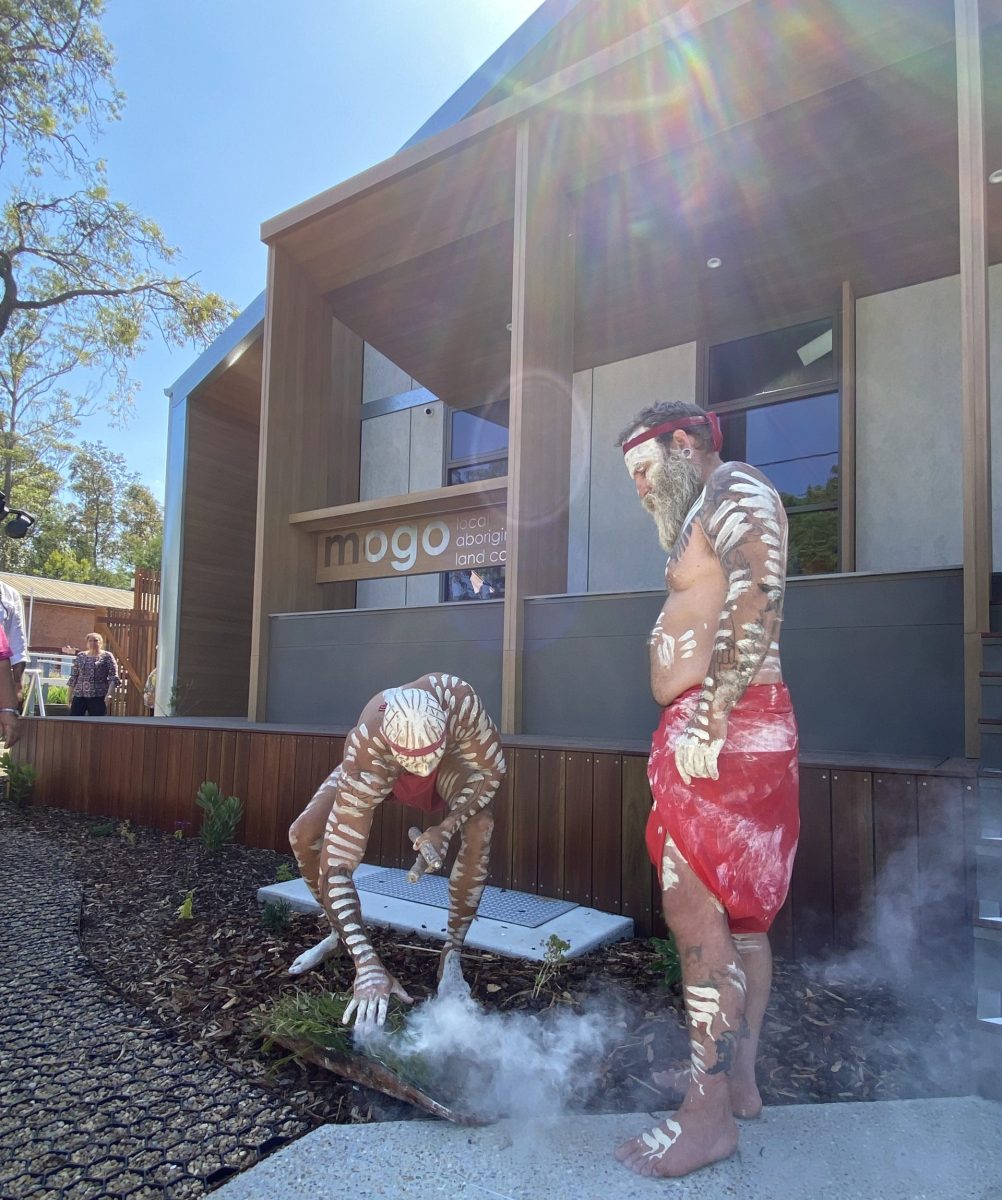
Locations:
column 714, row 262
column 995, row 177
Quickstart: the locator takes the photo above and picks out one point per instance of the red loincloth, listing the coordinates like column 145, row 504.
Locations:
column 738, row 833
column 418, row 791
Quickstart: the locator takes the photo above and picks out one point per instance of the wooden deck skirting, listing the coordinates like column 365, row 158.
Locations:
column 896, row 836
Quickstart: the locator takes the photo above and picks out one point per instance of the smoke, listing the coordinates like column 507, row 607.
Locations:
column 493, row 1065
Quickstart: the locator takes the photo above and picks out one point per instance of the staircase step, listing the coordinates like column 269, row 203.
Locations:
column 991, row 695
column 991, row 743
column 991, row 652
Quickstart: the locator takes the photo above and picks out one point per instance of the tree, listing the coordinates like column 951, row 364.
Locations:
column 98, row 480
column 85, row 280
column 141, row 529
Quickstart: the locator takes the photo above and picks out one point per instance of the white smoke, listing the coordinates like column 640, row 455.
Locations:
column 493, row 1065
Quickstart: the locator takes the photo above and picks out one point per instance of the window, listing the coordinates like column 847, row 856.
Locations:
column 778, row 403
column 477, row 449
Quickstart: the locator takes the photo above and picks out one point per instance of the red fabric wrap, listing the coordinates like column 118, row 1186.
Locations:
column 738, row 833
column 418, row 791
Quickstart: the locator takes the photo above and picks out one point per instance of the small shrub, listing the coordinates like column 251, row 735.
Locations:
column 186, row 909
column 222, row 815
column 127, row 833
column 57, row 694
column 20, row 779
column 105, row 829
column 285, row 874
column 553, row 959
column 275, row 915
column 666, row 962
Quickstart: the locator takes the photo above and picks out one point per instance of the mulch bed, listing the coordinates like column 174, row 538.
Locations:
column 207, row 980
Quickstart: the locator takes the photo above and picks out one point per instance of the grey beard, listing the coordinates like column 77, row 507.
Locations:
column 676, row 484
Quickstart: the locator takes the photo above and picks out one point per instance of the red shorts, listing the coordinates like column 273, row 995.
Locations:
column 738, row 833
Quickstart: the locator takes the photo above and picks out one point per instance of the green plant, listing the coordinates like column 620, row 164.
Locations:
column 222, row 815
column 666, row 961
column 57, row 694
column 105, row 829
column 186, row 909
column 126, row 832
column 20, row 778
column 285, row 874
column 275, row 915
column 553, row 959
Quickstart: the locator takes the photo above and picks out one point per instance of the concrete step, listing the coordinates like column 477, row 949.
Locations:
column 987, row 966
column 582, row 928
column 991, row 695
column 988, row 857
column 991, row 743
column 991, row 652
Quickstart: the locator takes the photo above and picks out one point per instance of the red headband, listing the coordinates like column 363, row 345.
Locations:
column 710, row 419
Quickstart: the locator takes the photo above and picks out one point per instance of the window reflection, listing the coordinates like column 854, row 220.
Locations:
column 478, row 450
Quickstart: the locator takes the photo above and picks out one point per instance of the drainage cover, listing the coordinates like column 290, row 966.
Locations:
column 496, row 904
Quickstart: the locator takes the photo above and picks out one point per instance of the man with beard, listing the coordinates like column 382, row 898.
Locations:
column 723, row 765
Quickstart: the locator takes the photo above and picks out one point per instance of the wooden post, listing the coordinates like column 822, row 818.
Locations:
column 847, row 455
column 542, row 363
column 976, row 424
column 311, row 399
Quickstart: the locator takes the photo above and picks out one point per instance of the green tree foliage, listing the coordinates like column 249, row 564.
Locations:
column 85, row 280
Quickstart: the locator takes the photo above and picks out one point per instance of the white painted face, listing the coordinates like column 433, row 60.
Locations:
column 642, row 462
column 420, row 764
column 412, row 721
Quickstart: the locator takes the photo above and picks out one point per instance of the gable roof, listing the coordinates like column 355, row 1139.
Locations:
column 61, row 591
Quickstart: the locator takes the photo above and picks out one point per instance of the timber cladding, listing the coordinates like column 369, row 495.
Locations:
column 876, row 846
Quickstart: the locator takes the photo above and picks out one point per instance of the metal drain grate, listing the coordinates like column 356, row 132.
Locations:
column 496, row 904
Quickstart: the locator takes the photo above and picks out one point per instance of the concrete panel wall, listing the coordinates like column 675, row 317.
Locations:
column 325, row 666
column 623, row 551
column 381, row 378
column 908, row 428
column 995, row 321
column 579, row 513
column 401, row 452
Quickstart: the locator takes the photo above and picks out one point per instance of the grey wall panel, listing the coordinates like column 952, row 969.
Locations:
column 380, row 377
column 874, row 664
column 323, row 667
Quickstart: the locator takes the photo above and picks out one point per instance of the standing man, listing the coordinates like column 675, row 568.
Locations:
column 429, row 744
column 723, row 766
column 12, row 620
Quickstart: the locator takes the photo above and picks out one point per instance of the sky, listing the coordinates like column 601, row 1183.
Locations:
column 238, row 109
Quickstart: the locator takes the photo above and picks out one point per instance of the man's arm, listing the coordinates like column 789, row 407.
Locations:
column 744, row 522
column 345, row 839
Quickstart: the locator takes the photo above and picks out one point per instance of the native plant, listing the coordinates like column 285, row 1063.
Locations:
column 57, row 694
column 553, row 960
column 222, row 815
column 275, row 915
column 186, row 909
column 666, row 962
column 285, row 874
column 20, row 779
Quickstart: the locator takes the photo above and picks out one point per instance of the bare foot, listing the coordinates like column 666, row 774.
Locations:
column 746, row 1103
column 680, row 1144
column 315, row 955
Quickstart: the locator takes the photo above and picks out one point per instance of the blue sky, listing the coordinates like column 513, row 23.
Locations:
column 238, row 109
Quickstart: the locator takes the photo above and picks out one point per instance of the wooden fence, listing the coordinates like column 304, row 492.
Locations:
column 570, row 822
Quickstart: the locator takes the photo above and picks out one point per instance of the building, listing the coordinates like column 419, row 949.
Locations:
column 789, row 211
column 58, row 613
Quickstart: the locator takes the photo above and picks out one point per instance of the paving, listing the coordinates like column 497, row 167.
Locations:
column 890, row 1150
column 95, row 1099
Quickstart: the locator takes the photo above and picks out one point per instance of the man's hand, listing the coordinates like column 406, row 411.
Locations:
column 374, row 986
column 696, row 758
column 10, row 728
column 431, row 846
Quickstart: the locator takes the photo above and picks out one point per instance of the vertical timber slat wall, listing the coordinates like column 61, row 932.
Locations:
column 878, row 850
column 309, row 452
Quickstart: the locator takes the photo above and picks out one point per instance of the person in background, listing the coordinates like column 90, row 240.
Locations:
column 10, row 725
column 93, row 678
column 12, row 620
column 150, row 692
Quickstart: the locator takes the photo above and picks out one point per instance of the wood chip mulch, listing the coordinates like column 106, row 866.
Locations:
column 207, row 979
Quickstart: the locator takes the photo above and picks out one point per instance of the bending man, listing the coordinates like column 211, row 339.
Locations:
column 723, row 766
column 430, row 744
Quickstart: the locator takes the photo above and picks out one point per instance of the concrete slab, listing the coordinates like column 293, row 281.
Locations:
column 582, row 928
column 893, row 1150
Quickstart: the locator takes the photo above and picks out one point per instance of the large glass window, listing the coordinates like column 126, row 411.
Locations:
column 779, row 410
column 477, row 449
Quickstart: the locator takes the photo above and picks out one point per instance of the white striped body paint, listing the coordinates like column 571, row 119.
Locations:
column 660, row 1139
column 471, row 769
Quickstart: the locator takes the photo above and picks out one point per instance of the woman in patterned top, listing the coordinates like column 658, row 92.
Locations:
column 93, row 678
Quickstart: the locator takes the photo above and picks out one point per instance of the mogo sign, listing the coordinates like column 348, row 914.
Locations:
column 447, row 541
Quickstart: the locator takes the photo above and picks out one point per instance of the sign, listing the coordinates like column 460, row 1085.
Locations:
column 418, row 545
